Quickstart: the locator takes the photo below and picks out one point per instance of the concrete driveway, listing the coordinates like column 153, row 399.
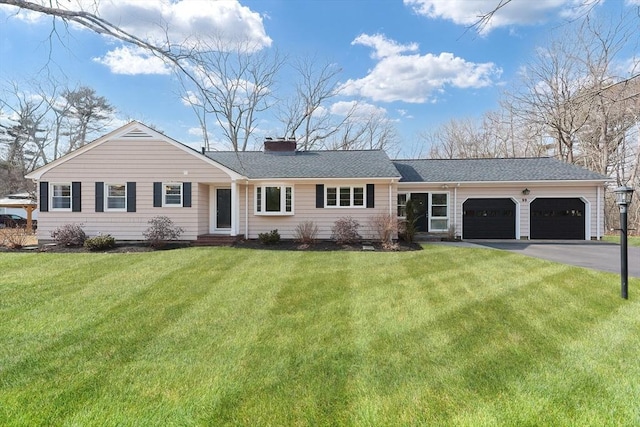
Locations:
column 590, row 254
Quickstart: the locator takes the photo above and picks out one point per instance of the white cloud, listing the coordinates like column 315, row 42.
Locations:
column 133, row 61
column 357, row 109
column 383, row 47
column 528, row 12
column 183, row 22
column 415, row 78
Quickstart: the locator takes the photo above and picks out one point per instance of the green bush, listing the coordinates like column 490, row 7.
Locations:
column 269, row 238
column 99, row 243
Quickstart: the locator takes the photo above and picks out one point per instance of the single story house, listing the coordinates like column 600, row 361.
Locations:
column 118, row 182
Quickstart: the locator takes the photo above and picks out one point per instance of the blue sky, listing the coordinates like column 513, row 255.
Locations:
column 415, row 61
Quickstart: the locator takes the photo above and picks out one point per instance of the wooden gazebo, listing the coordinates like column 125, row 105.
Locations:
column 24, row 201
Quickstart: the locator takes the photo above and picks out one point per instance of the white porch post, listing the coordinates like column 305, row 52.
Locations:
column 235, row 208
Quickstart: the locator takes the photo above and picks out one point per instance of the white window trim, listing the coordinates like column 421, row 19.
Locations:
column 51, row 195
column 430, row 217
column 283, row 200
column 351, row 193
column 164, row 195
column 106, row 197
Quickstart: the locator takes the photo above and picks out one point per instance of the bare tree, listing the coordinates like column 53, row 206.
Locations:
column 370, row 132
column 234, row 85
column 22, row 137
column 306, row 116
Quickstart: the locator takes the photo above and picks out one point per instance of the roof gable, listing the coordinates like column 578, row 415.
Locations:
column 131, row 131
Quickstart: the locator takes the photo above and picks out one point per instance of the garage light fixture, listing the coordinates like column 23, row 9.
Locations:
column 624, row 195
column 526, row 191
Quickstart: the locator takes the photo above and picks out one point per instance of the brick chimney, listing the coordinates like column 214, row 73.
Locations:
column 280, row 145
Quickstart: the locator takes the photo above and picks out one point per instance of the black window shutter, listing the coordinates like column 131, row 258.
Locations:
column 131, row 196
column 99, row 196
column 157, row 194
column 76, row 197
column 186, row 194
column 44, row 196
column 319, row 195
column 370, row 196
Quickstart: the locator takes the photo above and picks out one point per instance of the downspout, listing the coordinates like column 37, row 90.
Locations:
column 598, row 214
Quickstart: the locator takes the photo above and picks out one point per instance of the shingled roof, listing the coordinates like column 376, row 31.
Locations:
column 493, row 170
column 308, row 164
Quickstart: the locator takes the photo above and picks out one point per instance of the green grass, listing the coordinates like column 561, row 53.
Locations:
column 615, row 238
column 222, row 336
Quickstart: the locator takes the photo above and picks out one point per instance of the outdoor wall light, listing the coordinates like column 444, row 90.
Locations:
column 624, row 195
column 526, row 191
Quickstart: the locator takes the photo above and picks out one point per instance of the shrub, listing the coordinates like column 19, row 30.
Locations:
column 161, row 230
column 345, row 230
column 69, row 235
column 14, row 238
column 385, row 226
column 407, row 228
column 99, row 243
column 306, row 232
column 269, row 238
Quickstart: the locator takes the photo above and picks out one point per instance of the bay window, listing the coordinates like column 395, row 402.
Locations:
column 274, row 200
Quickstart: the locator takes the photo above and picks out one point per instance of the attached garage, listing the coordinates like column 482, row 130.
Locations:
column 558, row 218
column 489, row 219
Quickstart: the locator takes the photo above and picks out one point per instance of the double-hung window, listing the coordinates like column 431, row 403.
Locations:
column 172, row 194
column 274, row 200
column 344, row 197
column 116, row 197
column 61, row 196
column 439, row 205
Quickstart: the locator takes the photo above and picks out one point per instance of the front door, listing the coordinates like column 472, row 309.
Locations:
column 419, row 203
column 223, row 208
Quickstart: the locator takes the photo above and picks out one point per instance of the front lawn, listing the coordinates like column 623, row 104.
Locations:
column 615, row 238
column 225, row 336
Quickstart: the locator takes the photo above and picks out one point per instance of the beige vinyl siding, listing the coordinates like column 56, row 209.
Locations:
column 305, row 210
column 588, row 193
column 203, row 207
column 143, row 161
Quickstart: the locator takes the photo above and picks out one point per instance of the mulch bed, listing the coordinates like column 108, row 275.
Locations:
column 326, row 245
column 283, row 245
